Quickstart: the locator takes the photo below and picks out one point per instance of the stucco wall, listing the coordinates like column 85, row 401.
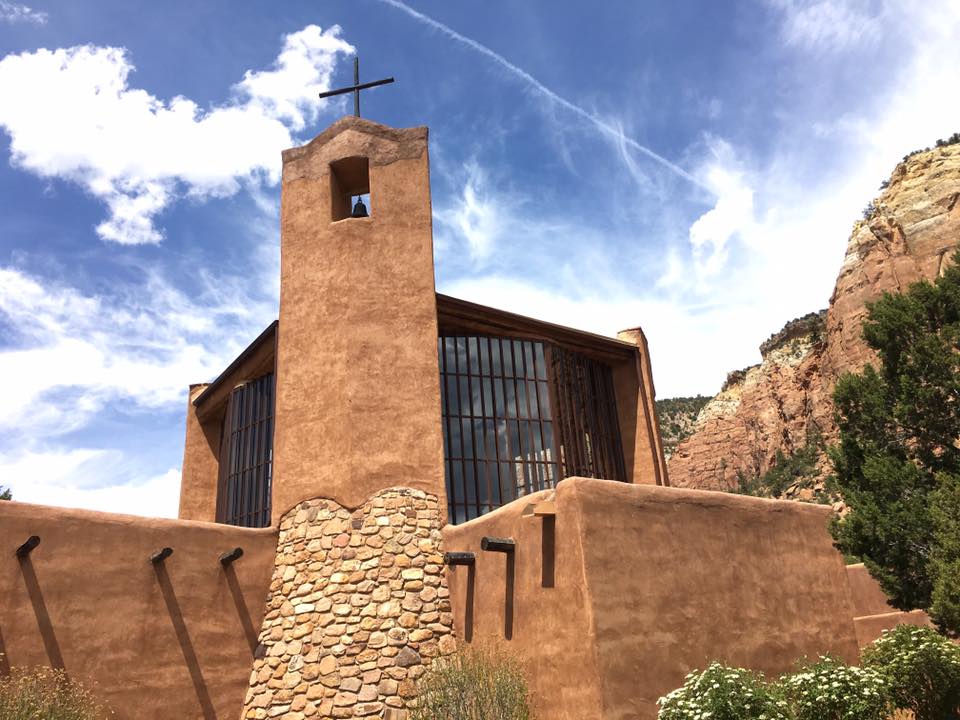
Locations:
column 201, row 463
column 169, row 641
column 648, row 583
column 358, row 386
column 872, row 613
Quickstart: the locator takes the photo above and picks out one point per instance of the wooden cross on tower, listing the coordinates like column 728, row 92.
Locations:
column 356, row 87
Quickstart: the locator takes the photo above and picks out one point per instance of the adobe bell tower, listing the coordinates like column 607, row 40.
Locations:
column 359, row 604
column 358, row 400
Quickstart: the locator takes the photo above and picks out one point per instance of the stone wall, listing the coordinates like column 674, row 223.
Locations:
column 358, row 609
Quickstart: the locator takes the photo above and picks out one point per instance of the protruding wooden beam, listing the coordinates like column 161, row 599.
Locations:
column 459, row 558
column 161, row 555
column 495, row 544
column 231, row 555
column 28, row 546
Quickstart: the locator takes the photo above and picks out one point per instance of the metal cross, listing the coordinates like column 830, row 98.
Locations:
column 356, row 87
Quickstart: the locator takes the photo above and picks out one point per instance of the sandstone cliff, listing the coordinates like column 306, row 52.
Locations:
column 784, row 403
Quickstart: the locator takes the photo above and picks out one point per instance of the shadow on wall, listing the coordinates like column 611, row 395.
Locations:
column 50, row 644
column 169, row 638
column 183, row 637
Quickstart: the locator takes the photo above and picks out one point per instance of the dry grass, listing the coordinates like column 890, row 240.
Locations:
column 46, row 694
column 473, row 684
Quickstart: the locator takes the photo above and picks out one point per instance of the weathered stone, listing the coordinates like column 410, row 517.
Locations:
column 407, row 657
column 351, row 615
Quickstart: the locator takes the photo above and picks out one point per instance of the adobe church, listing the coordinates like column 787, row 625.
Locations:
column 386, row 473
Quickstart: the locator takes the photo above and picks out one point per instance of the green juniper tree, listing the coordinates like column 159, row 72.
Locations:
column 5, row 493
column 898, row 461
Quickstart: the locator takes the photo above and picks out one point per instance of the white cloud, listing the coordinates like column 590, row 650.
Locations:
column 733, row 212
column 12, row 12
column 136, row 152
column 76, row 478
column 79, row 357
column 141, row 348
column 476, row 216
column 829, row 24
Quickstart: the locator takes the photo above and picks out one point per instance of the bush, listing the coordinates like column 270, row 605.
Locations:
column 723, row 693
column 922, row 669
column 831, row 690
column 473, row 684
column 46, row 694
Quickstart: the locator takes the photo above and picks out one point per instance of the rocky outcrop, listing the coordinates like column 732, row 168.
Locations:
column 907, row 235
column 677, row 418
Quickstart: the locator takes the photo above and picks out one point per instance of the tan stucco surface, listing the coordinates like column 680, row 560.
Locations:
column 201, row 463
column 652, row 582
column 871, row 611
column 174, row 641
column 358, row 395
column 548, row 623
column 639, row 426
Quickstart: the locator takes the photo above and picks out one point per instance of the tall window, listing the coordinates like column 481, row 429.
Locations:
column 510, row 429
column 246, row 461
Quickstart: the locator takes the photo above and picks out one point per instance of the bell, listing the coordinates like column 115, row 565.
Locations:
column 359, row 210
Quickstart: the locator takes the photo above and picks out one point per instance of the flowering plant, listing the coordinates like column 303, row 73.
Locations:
column 922, row 668
column 723, row 693
column 831, row 690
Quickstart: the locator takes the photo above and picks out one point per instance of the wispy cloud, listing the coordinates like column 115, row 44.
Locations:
column 830, row 24
column 609, row 129
column 11, row 12
column 137, row 152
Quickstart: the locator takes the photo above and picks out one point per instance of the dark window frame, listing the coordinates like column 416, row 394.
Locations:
column 246, row 454
column 531, row 430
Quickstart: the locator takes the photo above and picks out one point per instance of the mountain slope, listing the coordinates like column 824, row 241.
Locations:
column 779, row 405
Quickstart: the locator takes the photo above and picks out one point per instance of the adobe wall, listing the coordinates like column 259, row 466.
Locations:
column 358, row 609
column 649, row 583
column 170, row 641
column 643, row 449
column 358, row 385
column 201, row 463
column 872, row 613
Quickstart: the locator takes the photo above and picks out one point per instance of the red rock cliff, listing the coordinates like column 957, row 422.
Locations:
column 773, row 406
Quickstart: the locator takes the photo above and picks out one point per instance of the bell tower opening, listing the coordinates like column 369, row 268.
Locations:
column 350, row 188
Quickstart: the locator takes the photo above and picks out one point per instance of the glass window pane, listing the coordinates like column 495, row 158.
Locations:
column 452, row 396
column 507, row 358
column 485, row 356
column 544, row 397
column 473, row 356
column 541, row 365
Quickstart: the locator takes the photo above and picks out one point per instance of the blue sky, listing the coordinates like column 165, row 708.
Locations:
column 690, row 167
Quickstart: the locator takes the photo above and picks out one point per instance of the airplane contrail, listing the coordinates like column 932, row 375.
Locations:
column 599, row 122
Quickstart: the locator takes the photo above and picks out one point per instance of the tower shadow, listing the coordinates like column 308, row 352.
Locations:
column 186, row 646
